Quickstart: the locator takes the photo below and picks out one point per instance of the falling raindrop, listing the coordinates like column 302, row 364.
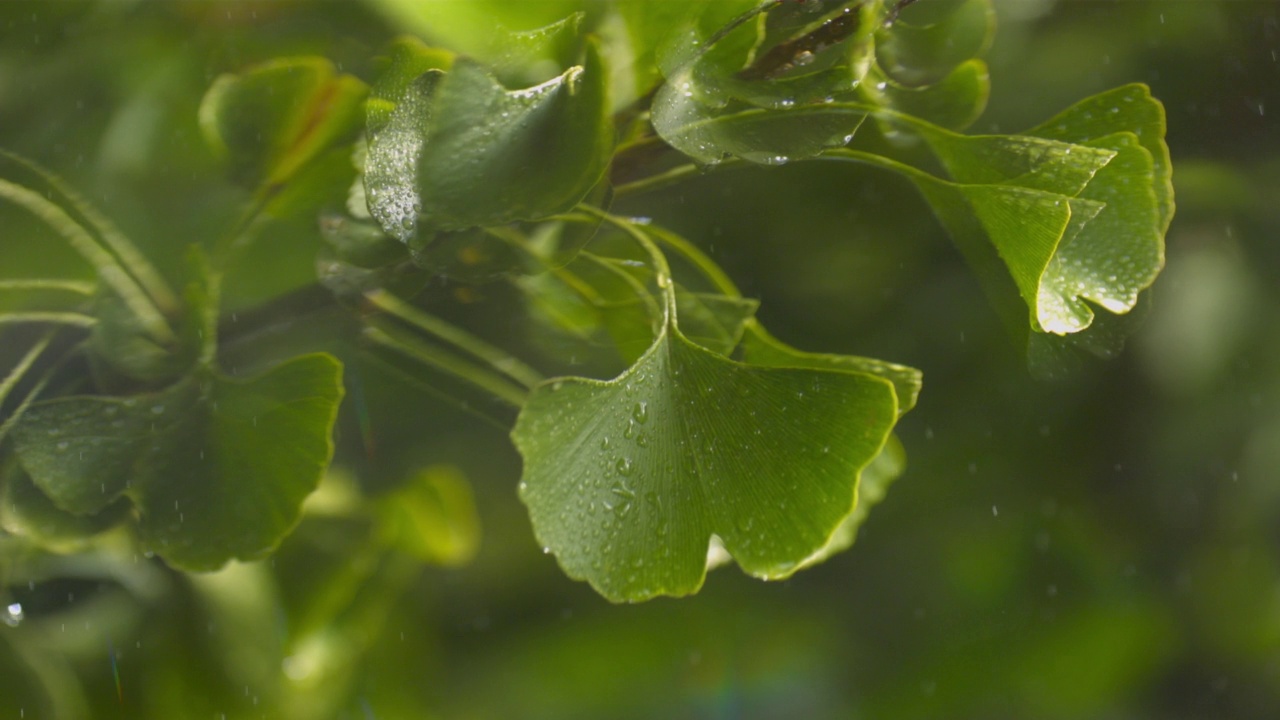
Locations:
column 13, row 615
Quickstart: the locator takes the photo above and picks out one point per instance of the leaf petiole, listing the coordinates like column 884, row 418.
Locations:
column 496, row 358
column 427, row 354
column 147, row 275
column 15, row 375
column 73, row 319
column 76, row 287
column 107, row 265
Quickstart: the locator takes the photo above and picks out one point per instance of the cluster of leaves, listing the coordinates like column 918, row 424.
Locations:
column 715, row 440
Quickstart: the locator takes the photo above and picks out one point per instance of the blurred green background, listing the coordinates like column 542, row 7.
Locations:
column 1107, row 546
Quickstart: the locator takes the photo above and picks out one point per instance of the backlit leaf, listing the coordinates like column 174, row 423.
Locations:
column 273, row 119
column 433, row 517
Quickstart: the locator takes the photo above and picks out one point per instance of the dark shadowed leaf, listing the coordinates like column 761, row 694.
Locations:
column 216, row 467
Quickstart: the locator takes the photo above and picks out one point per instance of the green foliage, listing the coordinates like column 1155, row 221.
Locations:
column 662, row 429
column 751, row 442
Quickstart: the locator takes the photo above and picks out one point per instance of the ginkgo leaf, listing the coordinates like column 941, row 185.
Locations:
column 1118, row 252
column 273, row 119
column 767, row 93
column 459, row 148
column 1114, row 182
column 954, row 102
column 929, row 39
column 217, row 468
column 1024, row 228
column 1129, row 108
column 29, row 513
column 761, row 348
column 627, row 480
column 407, row 59
column 873, row 484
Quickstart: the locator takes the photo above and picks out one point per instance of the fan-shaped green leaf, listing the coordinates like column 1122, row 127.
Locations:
column 216, row 467
column 1112, row 246
column 1117, row 253
column 627, row 480
column 1129, row 108
column 1024, row 227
